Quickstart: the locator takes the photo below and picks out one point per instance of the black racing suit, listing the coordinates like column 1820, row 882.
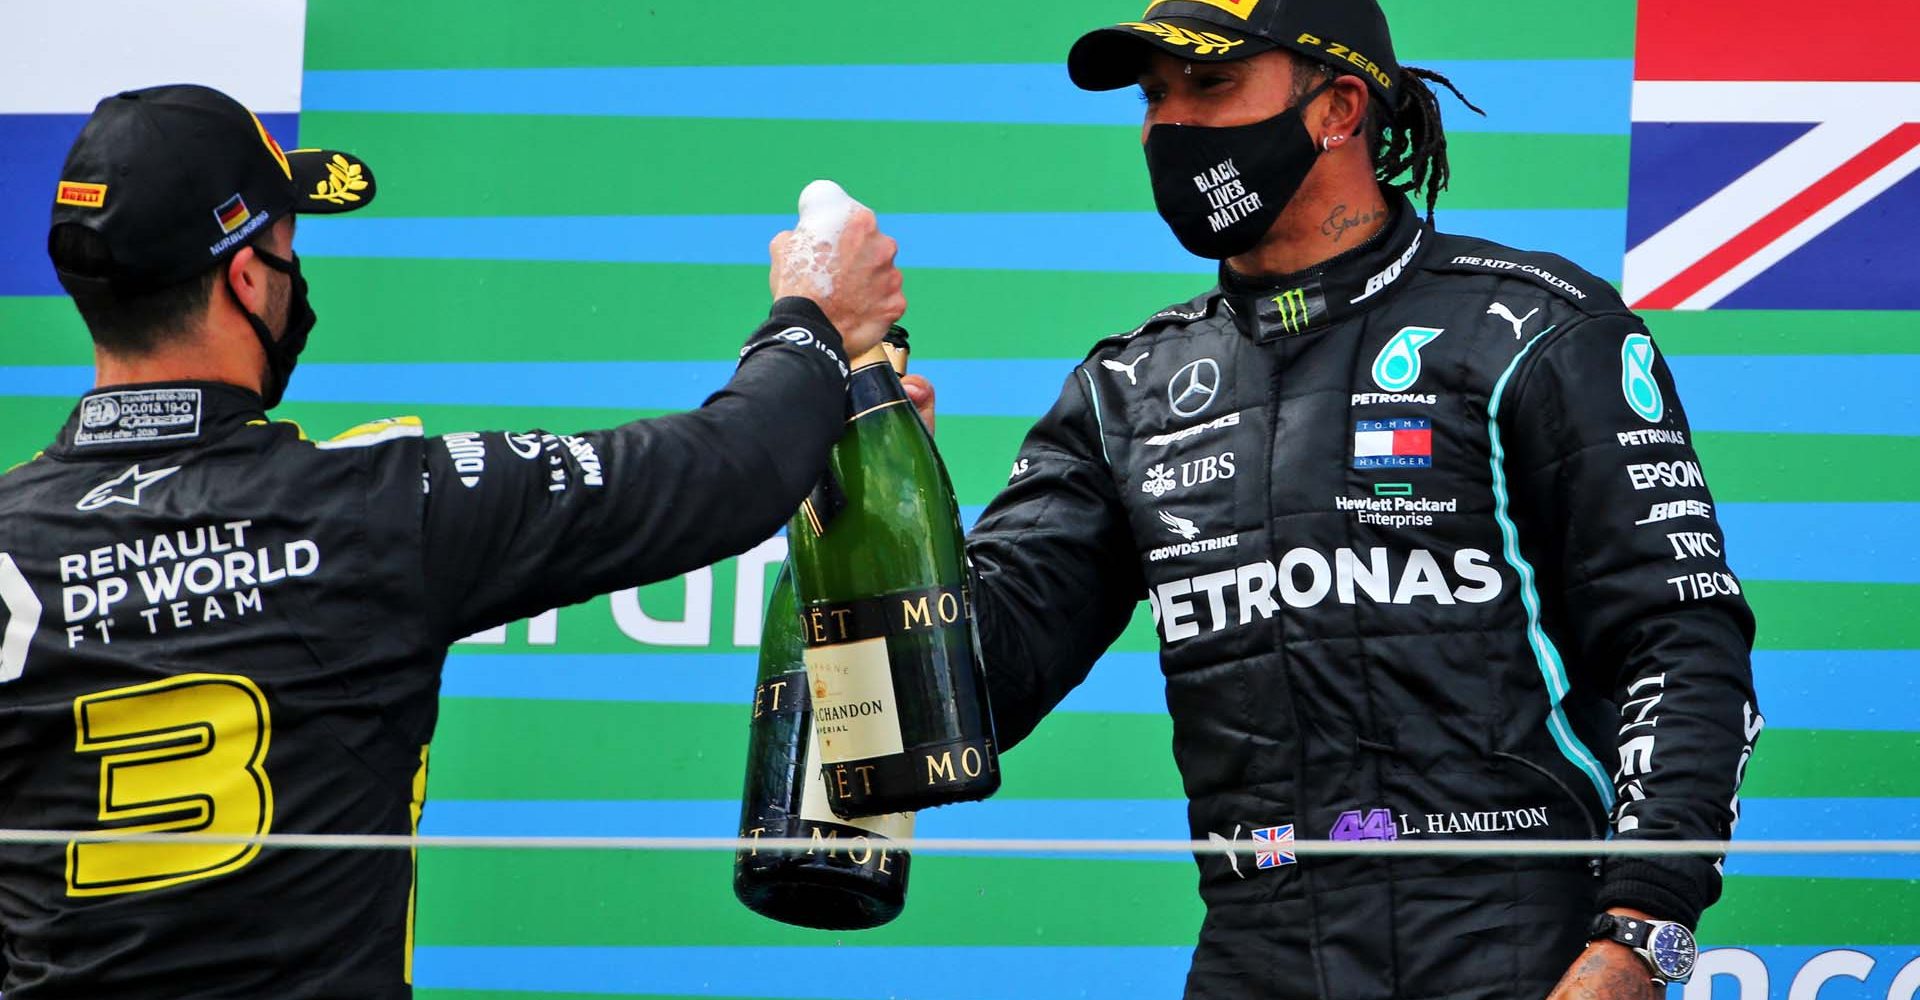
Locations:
column 1430, row 555
column 213, row 623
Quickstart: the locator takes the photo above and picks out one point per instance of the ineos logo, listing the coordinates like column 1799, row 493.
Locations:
column 1192, row 388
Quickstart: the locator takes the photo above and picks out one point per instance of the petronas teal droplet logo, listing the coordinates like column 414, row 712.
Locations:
column 1398, row 366
column 1636, row 379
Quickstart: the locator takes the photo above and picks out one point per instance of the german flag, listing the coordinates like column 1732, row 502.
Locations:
column 232, row 215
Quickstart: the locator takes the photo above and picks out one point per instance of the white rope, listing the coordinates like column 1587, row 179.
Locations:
column 963, row 845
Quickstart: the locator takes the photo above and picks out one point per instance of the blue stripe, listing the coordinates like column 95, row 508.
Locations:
column 1027, row 972
column 1798, row 689
column 842, row 972
column 1120, row 682
column 32, row 148
column 1164, row 819
column 1110, row 242
column 1586, row 96
column 1823, row 542
column 1722, row 393
column 1551, row 669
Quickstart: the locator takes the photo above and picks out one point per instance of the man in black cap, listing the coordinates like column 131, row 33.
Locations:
column 213, row 624
column 1421, row 526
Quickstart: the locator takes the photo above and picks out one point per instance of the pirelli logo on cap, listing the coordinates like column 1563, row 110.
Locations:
column 1347, row 53
column 1242, row 9
column 81, row 194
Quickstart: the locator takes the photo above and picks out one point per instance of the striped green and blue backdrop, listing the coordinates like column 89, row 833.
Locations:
column 576, row 197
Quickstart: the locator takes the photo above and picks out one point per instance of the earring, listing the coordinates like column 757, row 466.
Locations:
column 1327, row 144
column 1189, row 70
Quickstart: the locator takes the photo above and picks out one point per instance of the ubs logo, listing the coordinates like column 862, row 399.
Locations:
column 1192, row 388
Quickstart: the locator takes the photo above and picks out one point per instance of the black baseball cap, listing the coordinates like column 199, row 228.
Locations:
column 1349, row 35
column 176, row 179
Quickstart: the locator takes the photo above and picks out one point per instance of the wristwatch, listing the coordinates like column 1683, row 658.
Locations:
column 1667, row 948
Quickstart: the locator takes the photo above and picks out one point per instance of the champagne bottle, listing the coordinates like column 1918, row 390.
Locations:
column 851, row 879
column 898, row 690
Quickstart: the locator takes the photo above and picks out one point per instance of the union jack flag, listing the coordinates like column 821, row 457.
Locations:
column 1776, row 155
column 1272, row 847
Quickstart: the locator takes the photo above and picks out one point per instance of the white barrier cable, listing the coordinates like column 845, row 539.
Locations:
column 962, row 845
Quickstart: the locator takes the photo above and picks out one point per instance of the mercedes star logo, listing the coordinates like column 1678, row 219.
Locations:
column 1192, row 388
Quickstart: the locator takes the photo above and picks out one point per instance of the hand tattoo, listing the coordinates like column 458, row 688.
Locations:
column 1338, row 222
column 1600, row 976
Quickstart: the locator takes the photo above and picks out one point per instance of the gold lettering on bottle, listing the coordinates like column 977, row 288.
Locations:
column 815, row 624
column 884, row 858
column 941, row 766
column 774, row 688
column 949, row 608
column 970, row 761
column 755, row 833
column 840, row 616
column 865, row 850
column 866, row 777
column 912, row 611
column 840, row 789
column 832, row 838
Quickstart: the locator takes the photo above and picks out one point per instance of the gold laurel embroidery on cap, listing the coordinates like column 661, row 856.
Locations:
column 342, row 180
column 1204, row 43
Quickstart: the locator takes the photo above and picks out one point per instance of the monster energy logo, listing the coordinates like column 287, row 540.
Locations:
column 1294, row 314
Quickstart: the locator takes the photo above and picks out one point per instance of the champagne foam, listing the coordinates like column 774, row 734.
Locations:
column 814, row 248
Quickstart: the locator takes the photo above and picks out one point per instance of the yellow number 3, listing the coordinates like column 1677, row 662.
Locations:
column 185, row 753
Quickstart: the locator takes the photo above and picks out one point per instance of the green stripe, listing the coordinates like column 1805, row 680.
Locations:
column 1788, row 911
column 428, row 165
column 1736, row 331
column 699, row 752
column 1835, row 616
column 413, row 311
column 1814, row 763
column 1809, row 468
column 609, row 899
column 726, row 32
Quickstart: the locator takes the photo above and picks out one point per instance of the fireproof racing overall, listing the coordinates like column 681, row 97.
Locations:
column 1431, row 556
column 213, row 623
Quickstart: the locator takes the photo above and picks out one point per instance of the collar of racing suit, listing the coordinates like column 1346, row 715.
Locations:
column 1265, row 308
column 154, row 417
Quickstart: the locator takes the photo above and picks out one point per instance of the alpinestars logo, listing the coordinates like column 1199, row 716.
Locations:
column 124, row 488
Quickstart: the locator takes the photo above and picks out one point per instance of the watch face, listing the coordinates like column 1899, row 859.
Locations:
column 1672, row 949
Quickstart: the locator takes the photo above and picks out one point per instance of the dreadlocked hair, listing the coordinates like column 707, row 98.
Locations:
column 1409, row 142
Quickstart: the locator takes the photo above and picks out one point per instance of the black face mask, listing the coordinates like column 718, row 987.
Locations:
column 1220, row 189
column 284, row 353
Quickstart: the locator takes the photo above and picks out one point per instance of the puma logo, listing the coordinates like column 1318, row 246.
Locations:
column 1519, row 322
column 1115, row 366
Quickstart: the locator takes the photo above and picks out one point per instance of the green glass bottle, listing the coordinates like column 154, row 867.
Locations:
column 850, row 878
column 879, row 563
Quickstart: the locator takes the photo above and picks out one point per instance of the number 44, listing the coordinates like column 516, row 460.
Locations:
column 1376, row 824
